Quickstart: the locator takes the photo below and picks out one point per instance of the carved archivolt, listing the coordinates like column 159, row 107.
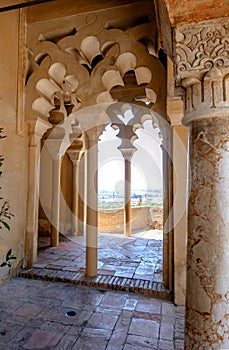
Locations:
column 202, row 59
column 81, row 70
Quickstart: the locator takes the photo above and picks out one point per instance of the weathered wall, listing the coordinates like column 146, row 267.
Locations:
column 196, row 10
column 14, row 147
column 111, row 221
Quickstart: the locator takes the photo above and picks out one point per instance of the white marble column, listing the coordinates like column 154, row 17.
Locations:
column 205, row 79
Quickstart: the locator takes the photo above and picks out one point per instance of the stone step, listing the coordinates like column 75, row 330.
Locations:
column 155, row 289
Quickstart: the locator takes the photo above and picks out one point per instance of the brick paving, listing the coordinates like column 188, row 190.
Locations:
column 50, row 315
column 131, row 264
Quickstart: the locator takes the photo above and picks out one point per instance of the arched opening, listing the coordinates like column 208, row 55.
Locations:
column 119, row 255
column 127, row 73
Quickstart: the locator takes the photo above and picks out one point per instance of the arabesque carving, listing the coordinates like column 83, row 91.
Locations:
column 82, row 70
column 202, row 58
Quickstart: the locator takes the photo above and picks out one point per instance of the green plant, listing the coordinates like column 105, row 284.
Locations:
column 5, row 213
column 9, row 258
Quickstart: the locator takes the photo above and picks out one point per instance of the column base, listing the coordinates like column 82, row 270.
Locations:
column 91, row 262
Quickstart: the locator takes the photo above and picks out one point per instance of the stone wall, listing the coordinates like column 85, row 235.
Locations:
column 111, row 220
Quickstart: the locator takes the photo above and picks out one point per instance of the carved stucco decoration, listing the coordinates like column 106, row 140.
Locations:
column 202, row 60
column 81, row 70
column 127, row 119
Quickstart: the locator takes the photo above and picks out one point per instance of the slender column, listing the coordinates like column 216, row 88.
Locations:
column 165, row 213
column 37, row 129
column 180, row 144
column 92, row 204
column 55, row 201
column 127, row 155
column 168, row 239
column 81, row 195
column 53, row 146
column 127, row 197
column 74, row 155
column 205, row 78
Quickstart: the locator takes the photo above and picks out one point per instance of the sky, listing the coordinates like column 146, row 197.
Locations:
column 146, row 171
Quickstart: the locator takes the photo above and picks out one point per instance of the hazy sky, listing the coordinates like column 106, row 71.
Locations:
column 146, row 161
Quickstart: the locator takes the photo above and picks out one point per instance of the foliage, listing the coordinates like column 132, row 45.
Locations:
column 9, row 258
column 5, row 213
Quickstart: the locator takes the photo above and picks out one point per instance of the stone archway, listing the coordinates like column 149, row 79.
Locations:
column 81, row 74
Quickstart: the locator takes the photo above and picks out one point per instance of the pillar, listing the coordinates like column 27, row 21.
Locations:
column 127, row 155
column 81, row 194
column 37, row 128
column 74, row 155
column 168, row 239
column 180, row 155
column 206, row 83
column 53, row 147
column 92, row 204
column 56, row 169
column 175, row 112
column 165, row 212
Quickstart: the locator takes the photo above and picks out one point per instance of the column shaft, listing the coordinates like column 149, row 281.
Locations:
column 81, row 195
column 207, row 325
column 92, row 209
column 127, row 215
column 55, row 202
column 75, row 198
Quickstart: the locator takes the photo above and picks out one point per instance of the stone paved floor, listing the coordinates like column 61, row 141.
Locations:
column 124, row 263
column 47, row 315
column 139, row 256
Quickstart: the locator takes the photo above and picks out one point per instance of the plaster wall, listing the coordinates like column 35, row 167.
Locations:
column 14, row 147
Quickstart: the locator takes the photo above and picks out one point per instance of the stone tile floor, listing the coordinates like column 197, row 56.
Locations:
column 124, row 263
column 139, row 256
column 131, row 257
column 48, row 315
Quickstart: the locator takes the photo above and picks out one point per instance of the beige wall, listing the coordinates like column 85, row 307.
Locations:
column 111, row 221
column 14, row 148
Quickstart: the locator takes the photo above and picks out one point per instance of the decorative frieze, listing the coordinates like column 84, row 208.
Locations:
column 202, row 59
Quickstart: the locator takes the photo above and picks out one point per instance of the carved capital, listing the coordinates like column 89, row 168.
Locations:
column 202, row 68
column 175, row 110
column 127, row 149
column 36, row 129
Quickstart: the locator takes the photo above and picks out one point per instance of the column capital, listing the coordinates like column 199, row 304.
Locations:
column 127, row 149
column 175, row 110
column 37, row 128
column 94, row 133
column 202, row 68
column 54, row 148
column 74, row 155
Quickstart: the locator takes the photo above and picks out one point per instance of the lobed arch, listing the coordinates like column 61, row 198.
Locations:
column 119, row 54
column 66, row 86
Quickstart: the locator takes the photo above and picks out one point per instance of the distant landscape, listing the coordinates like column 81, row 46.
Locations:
column 108, row 199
